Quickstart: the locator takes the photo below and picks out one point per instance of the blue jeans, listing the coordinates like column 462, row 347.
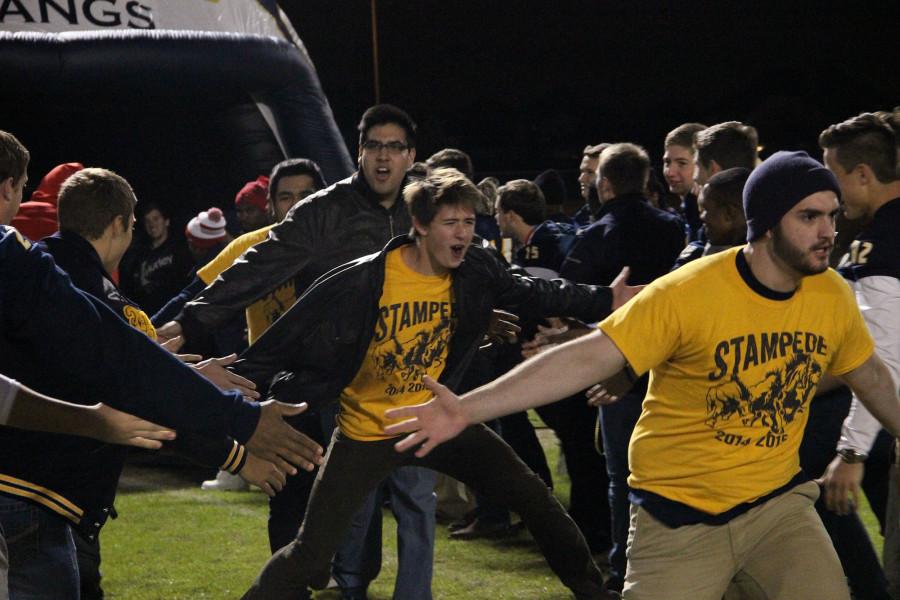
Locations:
column 617, row 421
column 42, row 561
column 410, row 491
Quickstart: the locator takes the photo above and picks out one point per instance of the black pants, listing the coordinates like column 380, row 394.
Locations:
column 575, row 424
column 477, row 457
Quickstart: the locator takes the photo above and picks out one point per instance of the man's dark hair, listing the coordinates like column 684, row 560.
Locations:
column 382, row 114
column 730, row 144
column 148, row 207
column 683, row 135
column 726, row 188
column 552, row 186
column 488, row 188
column 91, row 199
column 14, row 157
column 453, row 158
column 594, row 151
column 441, row 187
column 417, row 171
column 292, row 167
column 626, row 167
column 868, row 138
column 525, row 199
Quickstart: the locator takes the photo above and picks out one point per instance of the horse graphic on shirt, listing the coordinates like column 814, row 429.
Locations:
column 772, row 403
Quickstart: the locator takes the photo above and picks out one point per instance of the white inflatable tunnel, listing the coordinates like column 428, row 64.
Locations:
column 187, row 100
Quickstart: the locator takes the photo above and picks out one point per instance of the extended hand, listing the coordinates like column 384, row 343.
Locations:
column 841, row 485
column 503, row 327
column 263, row 475
column 279, row 443
column 550, row 337
column 168, row 331
column 116, row 427
column 621, row 291
column 432, row 423
column 214, row 370
column 609, row 391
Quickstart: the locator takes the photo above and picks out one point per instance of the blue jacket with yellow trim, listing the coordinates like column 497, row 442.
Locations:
column 67, row 344
column 77, row 257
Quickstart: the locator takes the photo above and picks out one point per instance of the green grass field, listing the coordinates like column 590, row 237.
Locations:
column 174, row 541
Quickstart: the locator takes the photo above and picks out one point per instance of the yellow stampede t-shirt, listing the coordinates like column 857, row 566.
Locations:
column 265, row 311
column 732, row 374
column 412, row 334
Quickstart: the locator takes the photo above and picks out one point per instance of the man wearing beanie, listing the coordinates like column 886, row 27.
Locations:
column 252, row 204
column 206, row 234
column 735, row 344
column 37, row 218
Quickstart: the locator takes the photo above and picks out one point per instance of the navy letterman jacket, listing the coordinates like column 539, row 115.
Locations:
column 67, row 344
column 75, row 255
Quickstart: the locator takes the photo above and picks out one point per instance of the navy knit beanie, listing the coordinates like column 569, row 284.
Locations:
column 778, row 184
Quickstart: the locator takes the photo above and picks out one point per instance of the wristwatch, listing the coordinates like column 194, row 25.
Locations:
column 852, row 457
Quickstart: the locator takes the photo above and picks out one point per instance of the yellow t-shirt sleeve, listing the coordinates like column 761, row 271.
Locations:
column 646, row 330
column 231, row 253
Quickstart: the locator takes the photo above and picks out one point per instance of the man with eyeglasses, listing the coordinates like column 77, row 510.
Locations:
column 352, row 218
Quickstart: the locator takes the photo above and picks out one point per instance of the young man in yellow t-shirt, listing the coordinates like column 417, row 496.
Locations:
column 735, row 344
column 369, row 334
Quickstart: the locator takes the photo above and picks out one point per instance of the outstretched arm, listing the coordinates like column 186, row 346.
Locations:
column 25, row 408
column 549, row 377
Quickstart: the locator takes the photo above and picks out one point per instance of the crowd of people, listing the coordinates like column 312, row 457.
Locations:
column 707, row 374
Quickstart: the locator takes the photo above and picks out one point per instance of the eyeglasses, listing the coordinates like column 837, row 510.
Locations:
column 392, row 147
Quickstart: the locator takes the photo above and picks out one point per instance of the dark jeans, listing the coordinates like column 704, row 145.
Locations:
column 477, row 457
column 88, row 552
column 517, row 431
column 848, row 535
column 575, row 424
column 358, row 559
column 617, row 421
column 42, row 564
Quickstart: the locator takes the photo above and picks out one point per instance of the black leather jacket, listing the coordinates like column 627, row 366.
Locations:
column 313, row 352
column 334, row 226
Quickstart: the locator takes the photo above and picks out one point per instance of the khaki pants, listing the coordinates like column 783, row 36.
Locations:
column 776, row 551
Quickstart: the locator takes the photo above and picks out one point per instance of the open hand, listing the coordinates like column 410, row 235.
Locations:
column 214, row 370
column 621, row 291
column 117, row 427
column 279, row 443
column 431, row 423
column 263, row 475
column 503, row 327
column 169, row 331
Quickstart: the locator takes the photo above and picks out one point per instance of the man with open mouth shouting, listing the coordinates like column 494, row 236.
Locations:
column 369, row 332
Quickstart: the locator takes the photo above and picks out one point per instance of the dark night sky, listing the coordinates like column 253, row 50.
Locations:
column 525, row 85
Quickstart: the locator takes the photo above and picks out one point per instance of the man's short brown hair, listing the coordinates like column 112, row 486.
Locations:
column 730, row 144
column 91, row 199
column 626, row 167
column 525, row 198
column 868, row 138
column 14, row 157
column 442, row 187
column 683, row 135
